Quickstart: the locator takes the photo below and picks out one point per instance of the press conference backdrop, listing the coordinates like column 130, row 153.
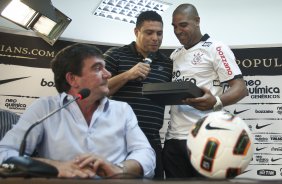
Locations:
column 26, row 75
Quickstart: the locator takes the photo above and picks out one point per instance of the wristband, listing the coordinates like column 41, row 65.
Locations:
column 218, row 105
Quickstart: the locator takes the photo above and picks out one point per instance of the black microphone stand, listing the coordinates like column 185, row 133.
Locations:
column 23, row 144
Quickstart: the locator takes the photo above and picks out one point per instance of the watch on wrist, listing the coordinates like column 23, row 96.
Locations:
column 218, row 105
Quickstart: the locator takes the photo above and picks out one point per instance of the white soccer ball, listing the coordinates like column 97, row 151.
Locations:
column 220, row 145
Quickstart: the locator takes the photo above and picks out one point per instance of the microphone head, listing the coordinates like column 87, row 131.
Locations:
column 84, row 93
column 149, row 58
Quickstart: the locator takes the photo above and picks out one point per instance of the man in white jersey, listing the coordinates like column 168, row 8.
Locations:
column 209, row 64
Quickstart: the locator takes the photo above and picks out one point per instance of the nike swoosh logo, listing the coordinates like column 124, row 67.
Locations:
column 11, row 80
column 258, row 149
column 209, row 127
column 275, row 159
column 239, row 112
column 262, row 126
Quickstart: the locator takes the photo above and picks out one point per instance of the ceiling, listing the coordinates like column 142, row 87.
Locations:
column 238, row 23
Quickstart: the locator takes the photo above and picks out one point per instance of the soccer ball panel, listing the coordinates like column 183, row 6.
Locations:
column 220, row 145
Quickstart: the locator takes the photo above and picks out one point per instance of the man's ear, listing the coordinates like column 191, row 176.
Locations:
column 136, row 31
column 197, row 20
column 71, row 79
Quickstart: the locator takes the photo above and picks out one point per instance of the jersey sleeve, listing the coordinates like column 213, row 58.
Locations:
column 225, row 63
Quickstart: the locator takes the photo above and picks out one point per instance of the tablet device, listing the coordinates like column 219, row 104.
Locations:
column 171, row 93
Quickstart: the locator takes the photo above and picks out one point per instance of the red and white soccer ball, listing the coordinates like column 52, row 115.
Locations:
column 220, row 145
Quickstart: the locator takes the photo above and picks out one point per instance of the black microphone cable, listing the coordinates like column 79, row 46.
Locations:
column 81, row 95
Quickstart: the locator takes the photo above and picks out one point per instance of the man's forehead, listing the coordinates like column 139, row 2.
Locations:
column 152, row 25
column 94, row 59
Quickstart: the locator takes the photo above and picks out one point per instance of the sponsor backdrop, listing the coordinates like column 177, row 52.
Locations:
column 26, row 76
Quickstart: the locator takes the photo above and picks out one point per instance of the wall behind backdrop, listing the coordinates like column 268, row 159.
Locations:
column 25, row 76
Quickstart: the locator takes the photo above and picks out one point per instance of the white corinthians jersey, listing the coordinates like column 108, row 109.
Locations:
column 207, row 64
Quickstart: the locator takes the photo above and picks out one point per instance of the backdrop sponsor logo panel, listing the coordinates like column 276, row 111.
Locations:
column 21, row 85
column 259, row 61
column 261, row 110
column 26, row 76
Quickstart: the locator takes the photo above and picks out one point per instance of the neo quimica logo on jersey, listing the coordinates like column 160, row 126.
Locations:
column 176, row 76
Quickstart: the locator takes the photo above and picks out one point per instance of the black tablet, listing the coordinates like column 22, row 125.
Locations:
column 171, row 93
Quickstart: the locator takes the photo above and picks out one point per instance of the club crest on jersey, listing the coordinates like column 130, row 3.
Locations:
column 197, row 58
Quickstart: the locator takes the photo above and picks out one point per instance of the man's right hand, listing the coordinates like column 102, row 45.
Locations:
column 69, row 169
column 140, row 70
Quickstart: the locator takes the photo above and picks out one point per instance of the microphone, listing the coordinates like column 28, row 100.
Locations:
column 26, row 166
column 147, row 60
column 81, row 95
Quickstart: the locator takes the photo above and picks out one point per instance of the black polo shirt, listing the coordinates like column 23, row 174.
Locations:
column 149, row 114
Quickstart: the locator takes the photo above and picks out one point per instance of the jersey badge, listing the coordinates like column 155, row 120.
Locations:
column 197, row 58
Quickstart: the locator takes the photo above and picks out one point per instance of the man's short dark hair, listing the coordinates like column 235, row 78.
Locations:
column 70, row 59
column 148, row 16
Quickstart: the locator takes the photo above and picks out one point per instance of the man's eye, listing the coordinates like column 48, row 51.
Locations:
column 97, row 68
column 160, row 33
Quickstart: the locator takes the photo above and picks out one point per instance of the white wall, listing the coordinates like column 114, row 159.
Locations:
column 238, row 23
